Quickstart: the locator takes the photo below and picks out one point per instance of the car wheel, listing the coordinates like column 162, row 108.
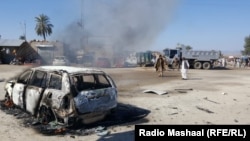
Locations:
column 45, row 115
column 7, row 96
column 175, row 65
column 113, row 110
column 8, row 101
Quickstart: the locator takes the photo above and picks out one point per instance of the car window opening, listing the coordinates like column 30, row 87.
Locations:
column 38, row 79
column 55, row 82
column 90, row 81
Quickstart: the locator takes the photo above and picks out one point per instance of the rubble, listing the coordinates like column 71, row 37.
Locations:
column 2, row 79
column 211, row 100
column 159, row 92
column 203, row 109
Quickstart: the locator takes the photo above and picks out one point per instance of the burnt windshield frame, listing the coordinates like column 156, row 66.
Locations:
column 38, row 79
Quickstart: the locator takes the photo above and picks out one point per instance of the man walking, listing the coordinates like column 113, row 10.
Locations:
column 184, row 68
column 160, row 65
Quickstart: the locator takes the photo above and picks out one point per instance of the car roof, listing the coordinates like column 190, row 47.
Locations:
column 69, row 69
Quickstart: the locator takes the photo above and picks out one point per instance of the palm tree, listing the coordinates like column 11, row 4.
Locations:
column 188, row 47
column 22, row 37
column 43, row 26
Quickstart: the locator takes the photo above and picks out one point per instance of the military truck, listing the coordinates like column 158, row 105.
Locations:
column 145, row 59
column 197, row 59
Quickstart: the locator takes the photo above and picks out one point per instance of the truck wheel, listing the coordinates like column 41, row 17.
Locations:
column 197, row 65
column 206, row 65
column 175, row 65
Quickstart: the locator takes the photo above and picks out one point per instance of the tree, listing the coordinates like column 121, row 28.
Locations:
column 246, row 50
column 43, row 26
column 188, row 47
column 22, row 37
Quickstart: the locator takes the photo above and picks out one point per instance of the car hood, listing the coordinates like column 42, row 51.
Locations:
column 96, row 100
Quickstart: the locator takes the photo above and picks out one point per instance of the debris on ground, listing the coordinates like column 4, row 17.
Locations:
column 211, row 101
column 203, row 109
column 173, row 107
column 101, row 131
column 183, row 90
column 188, row 89
column 173, row 114
column 223, row 93
column 2, row 79
column 159, row 92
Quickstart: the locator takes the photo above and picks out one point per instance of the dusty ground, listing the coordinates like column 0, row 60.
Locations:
column 218, row 96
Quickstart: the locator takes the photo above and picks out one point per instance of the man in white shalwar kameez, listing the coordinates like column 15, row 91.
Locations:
column 184, row 68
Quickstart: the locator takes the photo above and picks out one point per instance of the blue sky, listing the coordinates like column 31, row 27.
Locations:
column 201, row 24
column 209, row 24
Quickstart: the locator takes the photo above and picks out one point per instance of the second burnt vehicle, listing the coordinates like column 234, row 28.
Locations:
column 64, row 94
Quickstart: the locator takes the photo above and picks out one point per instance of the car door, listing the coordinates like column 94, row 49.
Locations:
column 53, row 94
column 57, row 95
column 34, row 91
column 19, row 88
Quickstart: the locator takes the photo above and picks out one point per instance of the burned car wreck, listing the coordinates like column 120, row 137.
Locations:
column 63, row 94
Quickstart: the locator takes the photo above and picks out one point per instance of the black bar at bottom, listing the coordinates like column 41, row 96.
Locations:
column 194, row 132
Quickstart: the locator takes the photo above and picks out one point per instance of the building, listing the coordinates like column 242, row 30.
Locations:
column 46, row 50
column 16, row 49
column 42, row 52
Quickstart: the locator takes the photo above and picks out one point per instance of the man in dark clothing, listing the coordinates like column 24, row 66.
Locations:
column 160, row 65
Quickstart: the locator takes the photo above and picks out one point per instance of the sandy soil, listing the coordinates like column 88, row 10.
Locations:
column 218, row 96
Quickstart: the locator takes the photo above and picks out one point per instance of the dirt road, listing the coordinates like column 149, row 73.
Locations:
column 218, row 96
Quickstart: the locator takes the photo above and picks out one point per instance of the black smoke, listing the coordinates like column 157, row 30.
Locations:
column 126, row 24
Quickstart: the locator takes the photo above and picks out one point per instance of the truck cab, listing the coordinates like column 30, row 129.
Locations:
column 170, row 55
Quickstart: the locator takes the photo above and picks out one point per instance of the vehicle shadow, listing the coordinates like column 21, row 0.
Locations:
column 220, row 68
column 125, row 115
column 194, row 79
column 123, row 136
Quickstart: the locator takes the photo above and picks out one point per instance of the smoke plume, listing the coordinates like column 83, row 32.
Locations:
column 127, row 24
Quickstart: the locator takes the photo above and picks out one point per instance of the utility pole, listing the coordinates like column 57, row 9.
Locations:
column 23, row 25
column 81, row 14
column 83, row 44
column 24, row 30
column 80, row 24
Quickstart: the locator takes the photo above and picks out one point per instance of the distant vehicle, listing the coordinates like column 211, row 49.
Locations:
column 103, row 62
column 131, row 60
column 63, row 94
column 87, row 60
column 145, row 59
column 60, row 61
column 197, row 59
column 15, row 61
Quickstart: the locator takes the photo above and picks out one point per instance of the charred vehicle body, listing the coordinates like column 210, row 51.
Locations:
column 63, row 94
